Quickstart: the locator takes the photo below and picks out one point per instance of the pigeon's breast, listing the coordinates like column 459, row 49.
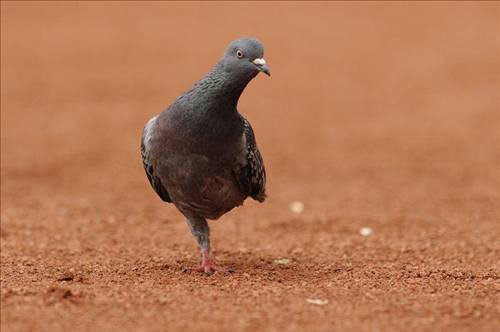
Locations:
column 195, row 161
column 210, row 131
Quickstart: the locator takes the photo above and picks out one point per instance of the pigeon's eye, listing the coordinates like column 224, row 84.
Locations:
column 239, row 54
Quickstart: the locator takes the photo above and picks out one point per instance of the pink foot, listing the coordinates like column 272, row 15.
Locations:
column 207, row 265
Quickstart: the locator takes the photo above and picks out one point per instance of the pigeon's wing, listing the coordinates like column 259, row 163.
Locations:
column 148, row 165
column 251, row 174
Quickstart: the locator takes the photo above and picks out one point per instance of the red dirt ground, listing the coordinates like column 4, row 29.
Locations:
column 381, row 116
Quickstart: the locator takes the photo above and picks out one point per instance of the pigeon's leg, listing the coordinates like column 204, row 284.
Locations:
column 200, row 230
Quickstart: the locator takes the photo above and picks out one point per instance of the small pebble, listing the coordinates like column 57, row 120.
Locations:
column 66, row 276
column 297, row 207
column 317, row 301
column 282, row 261
column 366, row 231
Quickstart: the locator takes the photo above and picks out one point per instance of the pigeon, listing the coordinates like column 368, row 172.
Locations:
column 200, row 154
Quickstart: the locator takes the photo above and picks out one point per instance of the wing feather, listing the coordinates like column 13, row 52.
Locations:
column 148, row 165
column 252, row 175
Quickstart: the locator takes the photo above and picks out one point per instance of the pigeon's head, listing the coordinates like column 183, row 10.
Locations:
column 243, row 59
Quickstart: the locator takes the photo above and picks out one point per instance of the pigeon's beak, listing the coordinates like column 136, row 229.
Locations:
column 261, row 65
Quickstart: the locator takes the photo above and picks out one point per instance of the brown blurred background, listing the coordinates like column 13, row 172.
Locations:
column 377, row 114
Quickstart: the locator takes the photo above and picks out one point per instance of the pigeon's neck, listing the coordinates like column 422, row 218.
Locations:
column 218, row 91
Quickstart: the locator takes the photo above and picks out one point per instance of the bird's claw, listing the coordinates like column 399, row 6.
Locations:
column 207, row 265
column 207, row 269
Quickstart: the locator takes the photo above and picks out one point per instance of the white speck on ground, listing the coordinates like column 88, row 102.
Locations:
column 297, row 207
column 317, row 301
column 366, row 231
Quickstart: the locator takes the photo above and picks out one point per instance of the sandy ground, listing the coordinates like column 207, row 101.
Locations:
column 381, row 116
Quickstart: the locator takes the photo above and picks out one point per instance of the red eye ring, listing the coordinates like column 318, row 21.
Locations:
column 239, row 54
